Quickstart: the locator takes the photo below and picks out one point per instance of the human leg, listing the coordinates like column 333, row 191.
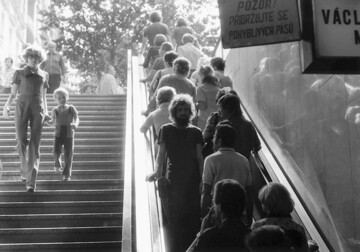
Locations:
column 68, row 156
column 34, row 147
column 58, row 142
column 21, row 125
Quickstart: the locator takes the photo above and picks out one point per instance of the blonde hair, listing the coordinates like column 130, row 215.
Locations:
column 61, row 91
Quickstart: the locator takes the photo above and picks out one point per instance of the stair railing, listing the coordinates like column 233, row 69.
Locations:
column 147, row 219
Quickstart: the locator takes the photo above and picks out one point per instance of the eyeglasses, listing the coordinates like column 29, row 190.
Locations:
column 33, row 56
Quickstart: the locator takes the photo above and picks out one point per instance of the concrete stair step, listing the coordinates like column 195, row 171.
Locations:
column 64, row 234
column 50, row 134
column 79, row 148
column 108, row 246
column 48, row 156
column 75, row 175
column 77, row 165
column 90, row 128
column 64, row 185
column 61, row 220
column 62, row 195
column 61, row 207
column 89, row 141
column 84, row 123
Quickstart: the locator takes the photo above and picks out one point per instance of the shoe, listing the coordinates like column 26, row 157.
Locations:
column 30, row 190
column 66, row 178
column 23, row 179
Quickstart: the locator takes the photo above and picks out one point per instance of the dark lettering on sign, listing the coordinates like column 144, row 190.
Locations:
column 339, row 17
column 326, row 16
column 283, row 15
column 255, row 5
column 357, row 37
column 253, row 18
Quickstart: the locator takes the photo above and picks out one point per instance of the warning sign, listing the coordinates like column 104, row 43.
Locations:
column 258, row 22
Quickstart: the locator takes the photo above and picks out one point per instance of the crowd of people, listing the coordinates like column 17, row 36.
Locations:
column 203, row 148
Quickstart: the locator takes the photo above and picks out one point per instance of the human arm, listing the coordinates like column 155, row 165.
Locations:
column 9, row 101
column 158, row 164
column 199, row 158
column 150, row 76
column 147, row 124
column 205, row 199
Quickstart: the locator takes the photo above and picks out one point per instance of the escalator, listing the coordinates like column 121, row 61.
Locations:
column 267, row 166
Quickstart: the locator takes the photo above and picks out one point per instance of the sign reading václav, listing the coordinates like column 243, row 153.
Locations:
column 258, row 22
column 337, row 28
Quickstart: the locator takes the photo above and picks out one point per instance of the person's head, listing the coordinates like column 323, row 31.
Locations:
column 8, row 62
column 230, row 106
column 182, row 109
column 203, row 61
column 276, row 200
column 206, row 74
column 218, row 63
column 188, row 38
column 111, row 70
column 33, row 56
column 182, row 66
column 165, row 47
column 181, row 22
column 61, row 96
column 170, row 57
column 155, row 16
column 268, row 238
column 225, row 136
column 224, row 91
column 229, row 199
column 159, row 39
column 165, row 94
column 51, row 46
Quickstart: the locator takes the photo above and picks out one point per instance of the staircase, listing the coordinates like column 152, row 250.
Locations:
column 84, row 214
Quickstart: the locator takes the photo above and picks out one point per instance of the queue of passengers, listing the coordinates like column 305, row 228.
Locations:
column 203, row 148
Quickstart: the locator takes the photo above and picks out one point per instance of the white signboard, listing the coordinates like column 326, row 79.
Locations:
column 258, row 22
column 337, row 28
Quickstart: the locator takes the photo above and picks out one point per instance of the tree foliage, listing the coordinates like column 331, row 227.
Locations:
column 95, row 33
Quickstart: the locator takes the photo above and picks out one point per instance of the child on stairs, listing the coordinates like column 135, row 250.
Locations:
column 66, row 120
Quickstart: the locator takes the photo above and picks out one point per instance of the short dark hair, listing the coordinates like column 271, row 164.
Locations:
column 169, row 57
column 230, row 103
column 159, row 39
column 218, row 63
column 227, row 135
column 181, row 99
column 183, row 66
column 276, row 200
column 224, row 91
column 166, row 47
column 268, row 238
column 231, row 196
column 155, row 16
column 188, row 37
column 181, row 22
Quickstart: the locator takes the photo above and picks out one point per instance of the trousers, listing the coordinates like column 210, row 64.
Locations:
column 68, row 143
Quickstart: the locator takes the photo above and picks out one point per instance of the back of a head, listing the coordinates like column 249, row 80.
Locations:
column 188, row 38
column 207, row 74
column 165, row 94
column 227, row 135
column 218, row 63
column 224, row 91
column 276, row 200
column 159, row 39
column 170, row 57
column 181, row 22
column 268, row 238
column 166, row 47
column 231, row 197
column 182, row 66
column 155, row 16
column 230, row 103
